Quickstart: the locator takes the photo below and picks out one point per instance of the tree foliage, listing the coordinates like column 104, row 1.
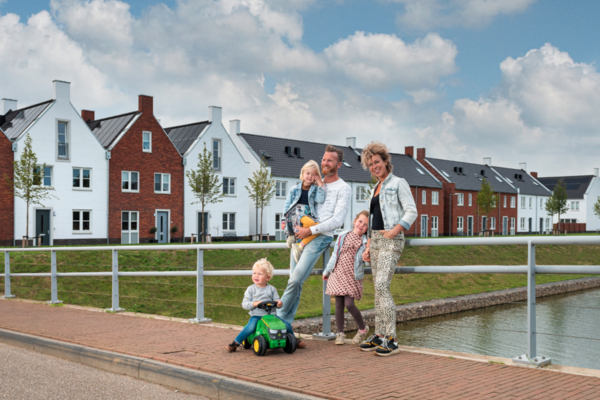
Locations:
column 596, row 207
column 261, row 190
column 487, row 200
column 557, row 202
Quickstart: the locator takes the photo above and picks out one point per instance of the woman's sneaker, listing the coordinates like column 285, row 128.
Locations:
column 296, row 251
column 387, row 348
column 339, row 338
column 360, row 337
column 290, row 241
column 371, row 343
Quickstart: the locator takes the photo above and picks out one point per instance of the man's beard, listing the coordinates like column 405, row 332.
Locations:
column 329, row 172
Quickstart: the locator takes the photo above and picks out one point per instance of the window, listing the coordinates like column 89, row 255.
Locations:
column 147, row 142
column 229, row 186
column 523, row 202
column 470, row 199
column 460, row 199
column 434, row 226
column 530, row 202
column 361, row 193
column 162, row 183
column 62, row 141
column 548, row 227
column 280, row 188
column 435, row 198
column 216, row 155
column 129, row 181
column 278, row 219
column 504, row 201
column 459, row 224
column 81, row 220
column 575, row 206
column 228, row 221
column 82, row 178
column 424, row 196
column 512, row 225
column 492, row 223
column 129, row 227
column 45, row 179
column 522, row 226
column 513, row 202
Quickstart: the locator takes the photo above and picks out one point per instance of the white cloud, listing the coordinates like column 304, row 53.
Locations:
column 431, row 14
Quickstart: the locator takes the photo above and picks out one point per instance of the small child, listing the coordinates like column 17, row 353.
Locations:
column 344, row 274
column 262, row 272
column 299, row 208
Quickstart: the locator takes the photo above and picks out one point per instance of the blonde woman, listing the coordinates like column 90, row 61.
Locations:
column 392, row 211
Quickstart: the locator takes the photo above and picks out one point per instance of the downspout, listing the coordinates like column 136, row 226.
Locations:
column 108, row 198
column 450, row 215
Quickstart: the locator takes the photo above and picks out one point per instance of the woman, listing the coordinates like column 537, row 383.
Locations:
column 392, row 211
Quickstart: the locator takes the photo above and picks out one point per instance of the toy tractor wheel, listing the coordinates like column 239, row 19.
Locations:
column 247, row 345
column 260, row 346
column 290, row 343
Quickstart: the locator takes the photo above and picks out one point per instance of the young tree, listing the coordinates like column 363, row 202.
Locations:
column 261, row 190
column 596, row 207
column 486, row 199
column 27, row 181
column 557, row 203
column 205, row 184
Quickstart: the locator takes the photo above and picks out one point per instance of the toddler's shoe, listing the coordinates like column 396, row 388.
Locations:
column 232, row 347
column 372, row 343
column 360, row 337
column 387, row 348
column 290, row 241
column 296, row 251
column 339, row 338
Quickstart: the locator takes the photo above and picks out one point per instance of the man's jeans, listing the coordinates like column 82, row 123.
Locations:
column 250, row 328
column 299, row 273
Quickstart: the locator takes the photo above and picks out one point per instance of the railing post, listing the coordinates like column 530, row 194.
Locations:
column 326, row 334
column 115, row 282
column 531, row 358
column 53, row 280
column 7, row 293
column 200, row 319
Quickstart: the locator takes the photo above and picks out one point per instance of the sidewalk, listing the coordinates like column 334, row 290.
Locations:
column 321, row 370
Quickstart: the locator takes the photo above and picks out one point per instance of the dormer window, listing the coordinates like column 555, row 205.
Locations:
column 62, row 150
column 147, row 142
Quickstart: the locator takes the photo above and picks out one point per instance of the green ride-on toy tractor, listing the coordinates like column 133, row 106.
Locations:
column 270, row 333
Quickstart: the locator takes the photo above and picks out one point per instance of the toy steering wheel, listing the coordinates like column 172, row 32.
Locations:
column 267, row 305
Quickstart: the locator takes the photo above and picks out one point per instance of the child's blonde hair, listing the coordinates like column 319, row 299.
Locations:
column 312, row 164
column 363, row 212
column 266, row 266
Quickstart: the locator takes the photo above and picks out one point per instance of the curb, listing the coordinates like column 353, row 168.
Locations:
column 185, row 379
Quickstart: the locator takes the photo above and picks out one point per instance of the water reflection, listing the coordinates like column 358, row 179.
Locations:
column 494, row 330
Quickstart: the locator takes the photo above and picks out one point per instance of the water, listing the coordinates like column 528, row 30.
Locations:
column 489, row 331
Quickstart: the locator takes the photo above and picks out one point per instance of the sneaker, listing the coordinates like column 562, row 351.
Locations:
column 371, row 343
column 232, row 347
column 360, row 337
column 339, row 338
column 296, row 251
column 290, row 241
column 387, row 348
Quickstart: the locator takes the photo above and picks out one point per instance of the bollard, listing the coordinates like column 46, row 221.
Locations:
column 7, row 293
column 53, row 280
column 115, row 283
column 326, row 334
column 200, row 290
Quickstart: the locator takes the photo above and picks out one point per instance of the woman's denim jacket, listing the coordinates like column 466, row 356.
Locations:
column 359, row 264
column 397, row 203
column 316, row 194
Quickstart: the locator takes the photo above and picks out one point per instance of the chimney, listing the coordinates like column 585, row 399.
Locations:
column 234, row 127
column 7, row 105
column 523, row 166
column 214, row 114
column 146, row 104
column 487, row 161
column 88, row 115
column 62, row 90
column 596, row 172
column 409, row 151
column 421, row 154
column 534, row 174
column 351, row 142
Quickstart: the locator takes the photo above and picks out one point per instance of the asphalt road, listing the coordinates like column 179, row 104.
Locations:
column 28, row 375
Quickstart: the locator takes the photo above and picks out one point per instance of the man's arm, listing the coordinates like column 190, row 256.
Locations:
column 342, row 205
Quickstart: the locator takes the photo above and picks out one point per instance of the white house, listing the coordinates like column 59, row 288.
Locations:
column 229, row 218
column 76, row 170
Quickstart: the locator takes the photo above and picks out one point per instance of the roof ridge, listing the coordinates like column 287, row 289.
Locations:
column 190, row 124
column 114, row 116
column 296, row 140
column 464, row 162
column 33, row 105
column 566, row 176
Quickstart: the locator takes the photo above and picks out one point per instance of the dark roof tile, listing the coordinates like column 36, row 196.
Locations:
column 183, row 136
column 576, row 185
column 108, row 129
column 526, row 185
column 471, row 177
column 15, row 122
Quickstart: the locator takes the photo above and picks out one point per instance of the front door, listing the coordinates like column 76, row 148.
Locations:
column 162, row 219
column 469, row 226
column 484, row 223
column 505, row 226
column 202, row 221
column 541, row 225
column 424, row 225
column 42, row 226
column 530, row 223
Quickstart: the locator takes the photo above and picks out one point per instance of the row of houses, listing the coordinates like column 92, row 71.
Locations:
column 115, row 178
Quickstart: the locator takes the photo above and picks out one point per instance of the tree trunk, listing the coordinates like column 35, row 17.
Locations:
column 202, row 224
column 27, row 226
column 261, row 223
column 559, row 222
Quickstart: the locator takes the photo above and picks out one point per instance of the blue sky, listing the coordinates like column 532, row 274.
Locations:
column 512, row 79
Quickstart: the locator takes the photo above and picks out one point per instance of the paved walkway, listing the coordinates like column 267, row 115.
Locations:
column 322, row 369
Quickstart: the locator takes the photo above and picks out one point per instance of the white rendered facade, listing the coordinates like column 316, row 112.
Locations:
column 581, row 210
column 532, row 210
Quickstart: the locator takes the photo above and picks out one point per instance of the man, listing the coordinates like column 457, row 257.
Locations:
column 332, row 214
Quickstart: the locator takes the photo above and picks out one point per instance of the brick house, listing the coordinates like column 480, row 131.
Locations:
column 145, row 176
column 7, row 200
column 461, row 184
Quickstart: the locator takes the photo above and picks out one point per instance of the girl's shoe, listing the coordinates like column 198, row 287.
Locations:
column 340, row 337
column 290, row 241
column 296, row 251
column 360, row 337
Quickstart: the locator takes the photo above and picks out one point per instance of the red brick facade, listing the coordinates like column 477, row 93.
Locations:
column 7, row 200
column 128, row 155
column 428, row 209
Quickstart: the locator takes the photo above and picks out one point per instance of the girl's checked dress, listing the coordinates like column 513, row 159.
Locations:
column 342, row 282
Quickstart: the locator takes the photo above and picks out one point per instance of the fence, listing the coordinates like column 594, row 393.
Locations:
column 530, row 268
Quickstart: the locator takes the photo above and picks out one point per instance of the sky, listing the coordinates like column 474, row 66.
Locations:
column 514, row 80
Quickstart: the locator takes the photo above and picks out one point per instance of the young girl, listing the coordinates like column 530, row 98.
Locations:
column 344, row 274
column 299, row 208
column 260, row 291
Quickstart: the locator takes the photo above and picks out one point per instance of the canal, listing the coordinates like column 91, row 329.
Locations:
column 492, row 330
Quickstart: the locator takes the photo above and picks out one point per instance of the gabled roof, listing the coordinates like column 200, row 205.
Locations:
column 184, row 136
column 14, row 123
column 108, row 129
column 470, row 178
column 576, row 185
column 520, row 179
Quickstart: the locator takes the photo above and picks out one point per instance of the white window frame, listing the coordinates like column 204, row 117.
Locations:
column 512, row 225
column 130, row 231
column 162, row 183
column 541, row 204
column 361, row 193
column 81, row 220
column 530, row 203
column 513, row 201
column 149, row 149
column 423, row 196
column 548, row 225
column 129, row 190
column 228, row 188
column 522, row 224
column 43, row 176
column 470, row 199
column 226, row 219
column 435, row 197
column 460, row 223
column 434, row 227
column 523, row 202
column 492, row 223
column 80, row 187
column 217, row 157
column 280, row 189
column 67, row 123
column 460, row 199
column 278, row 219
column 504, row 201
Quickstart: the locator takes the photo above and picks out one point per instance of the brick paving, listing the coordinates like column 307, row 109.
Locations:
column 322, row 369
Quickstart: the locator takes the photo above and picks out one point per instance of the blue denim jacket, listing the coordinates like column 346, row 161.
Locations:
column 397, row 203
column 359, row 264
column 316, row 194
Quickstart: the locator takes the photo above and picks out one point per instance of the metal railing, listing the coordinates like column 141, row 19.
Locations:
column 530, row 268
